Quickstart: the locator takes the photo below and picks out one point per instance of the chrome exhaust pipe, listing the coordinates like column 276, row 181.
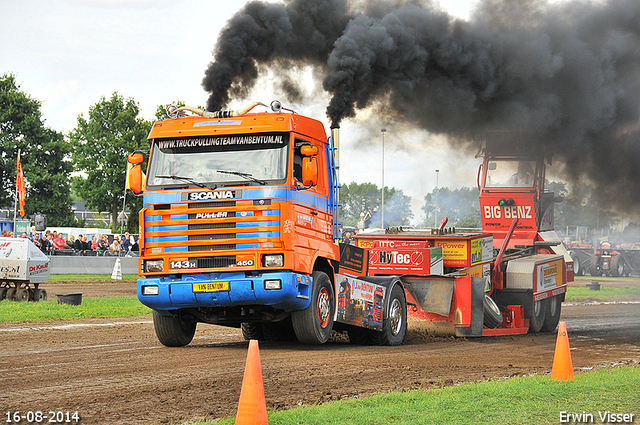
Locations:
column 216, row 114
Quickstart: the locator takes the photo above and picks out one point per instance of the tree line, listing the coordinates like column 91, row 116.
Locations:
column 95, row 152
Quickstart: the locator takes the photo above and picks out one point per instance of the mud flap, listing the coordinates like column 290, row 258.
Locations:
column 363, row 301
column 477, row 309
column 433, row 294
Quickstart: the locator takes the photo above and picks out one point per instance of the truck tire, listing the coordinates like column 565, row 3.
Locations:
column 173, row 331
column 617, row 266
column 3, row 293
column 252, row 330
column 492, row 314
column 578, row 270
column 594, row 270
column 279, row 331
column 313, row 325
column 554, row 306
column 22, row 294
column 536, row 316
column 394, row 325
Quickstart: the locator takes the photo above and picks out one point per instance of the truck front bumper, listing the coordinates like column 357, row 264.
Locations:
column 182, row 291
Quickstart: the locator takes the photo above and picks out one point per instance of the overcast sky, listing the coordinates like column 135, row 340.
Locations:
column 68, row 54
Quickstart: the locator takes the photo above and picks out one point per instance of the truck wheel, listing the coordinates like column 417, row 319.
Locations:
column 3, row 293
column 394, row 325
column 536, row 316
column 594, row 270
column 313, row 325
column 617, row 266
column 553, row 314
column 492, row 314
column 279, row 331
column 22, row 294
column 40, row 295
column 252, row 330
column 172, row 331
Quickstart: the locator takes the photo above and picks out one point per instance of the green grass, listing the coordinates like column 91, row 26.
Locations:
column 12, row 311
column 520, row 400
column 87, row 277
column 606, row 293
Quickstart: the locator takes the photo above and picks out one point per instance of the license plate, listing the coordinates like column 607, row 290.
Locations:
column 210, row 286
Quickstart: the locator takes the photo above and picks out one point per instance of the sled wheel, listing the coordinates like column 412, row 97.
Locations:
column 173, row 331
column 252, row 330
column 40, row 295
column 536, row 316
column 492, row 314
column 554, row 306
column 11, row 292
column 22, row 294
column 313, row 325
column 394, row 325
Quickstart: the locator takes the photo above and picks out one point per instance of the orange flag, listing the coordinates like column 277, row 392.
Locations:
column 20, row 187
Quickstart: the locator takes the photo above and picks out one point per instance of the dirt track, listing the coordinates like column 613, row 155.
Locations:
column 113, row 371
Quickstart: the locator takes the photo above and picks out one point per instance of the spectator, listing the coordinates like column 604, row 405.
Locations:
column 37, row 242
column 114, row 248
column 126, row 242
column 78, row 246
column 86, row 244
column 94, row 243
column 58, row 242
column 103, row 244
column 23, row 235
column 71, row 242
column 4, row 233
column 47, row 244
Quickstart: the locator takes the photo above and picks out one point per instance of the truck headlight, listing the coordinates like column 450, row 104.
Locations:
column 154, row 266
column 150, row 290
column 272, row 284
column 273, row 260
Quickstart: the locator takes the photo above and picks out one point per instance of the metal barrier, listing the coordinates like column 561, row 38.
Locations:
column 76, row 264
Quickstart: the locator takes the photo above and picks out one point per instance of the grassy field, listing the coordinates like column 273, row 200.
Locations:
column 606, row 293
column 519, row 400
column 11, row 311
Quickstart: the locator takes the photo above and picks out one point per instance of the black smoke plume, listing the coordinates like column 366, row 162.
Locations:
column 567, row 73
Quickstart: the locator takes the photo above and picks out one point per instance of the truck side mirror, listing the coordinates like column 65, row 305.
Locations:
column 308, row 150
column 310, row 171
column 134, row 173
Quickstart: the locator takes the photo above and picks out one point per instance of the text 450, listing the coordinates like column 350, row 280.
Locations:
column 38, row 417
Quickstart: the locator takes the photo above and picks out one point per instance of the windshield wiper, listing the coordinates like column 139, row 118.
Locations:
column 244, row 175
column 188, row 180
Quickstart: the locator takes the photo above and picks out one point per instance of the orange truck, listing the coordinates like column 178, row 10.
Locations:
column 239, row 227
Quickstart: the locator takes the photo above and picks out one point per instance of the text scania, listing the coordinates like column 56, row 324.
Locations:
column 514, row 211
column 202, row 196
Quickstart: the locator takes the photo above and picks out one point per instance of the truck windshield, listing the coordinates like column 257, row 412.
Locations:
column 219, row 160
column 510, row 173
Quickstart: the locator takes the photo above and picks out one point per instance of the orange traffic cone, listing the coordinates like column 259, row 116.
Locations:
column 562, row 365
column 252, row 407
